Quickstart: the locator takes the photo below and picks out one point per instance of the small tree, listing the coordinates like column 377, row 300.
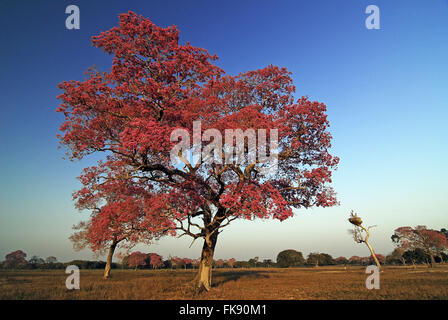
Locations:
column 138, row 259
column 381, row 258
column 397, row 255
column 444, row 257
column 195, row 263
column 322, row 259
column 118, row 214
column 231, row 262
column 155, row 260
column 36, row 262
column 125, row 262
column 220, row 263
column 177, row 262
column 313, row 259
column 15, row 260
column 187, row 262
column 253, row 262
column 267, row 263
column 358, row 234
column 51, row 260
column 341, row 260
column 355, row 260
column 290, row 258
column 417, row 256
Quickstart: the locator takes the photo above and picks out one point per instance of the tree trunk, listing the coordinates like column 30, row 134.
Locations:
column 432, row 262
column 203, row 278
column 109, row 260
column 373, row 255
column 431, row 255
column 366, row 240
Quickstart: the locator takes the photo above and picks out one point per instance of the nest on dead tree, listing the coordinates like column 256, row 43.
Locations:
column 355, row 220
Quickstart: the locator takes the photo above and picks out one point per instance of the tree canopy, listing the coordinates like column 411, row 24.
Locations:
column 290, row 258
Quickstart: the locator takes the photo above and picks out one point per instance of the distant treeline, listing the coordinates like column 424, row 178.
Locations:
column 17, row 260
column 285, row 259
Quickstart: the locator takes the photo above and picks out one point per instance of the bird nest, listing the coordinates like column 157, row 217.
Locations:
column 355, row 220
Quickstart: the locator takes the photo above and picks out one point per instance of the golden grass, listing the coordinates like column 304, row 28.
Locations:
column 239, row 284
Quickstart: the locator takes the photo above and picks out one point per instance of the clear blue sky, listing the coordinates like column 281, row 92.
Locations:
column 386, row 92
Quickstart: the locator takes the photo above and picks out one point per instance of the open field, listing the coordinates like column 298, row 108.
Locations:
column 259, row 283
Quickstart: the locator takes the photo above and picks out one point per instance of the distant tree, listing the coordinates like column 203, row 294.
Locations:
column 431, row 241
column 417, row 256
column 355, row 260
column 290, row 258
column 177, row 262
column 125, row 262
column 167, row 264
column 138, row 259
column 444, row 257
column 231, row 262
column 396, row 256
column 442, row 251
column 155, row 260
column 242, row 264
column 51, row 259
column 195, row 263
column 313, row 259
column 367, row 260
column 341, row 260
column 253, row 262
column 188, row 262
column 118, row 214
column 36, row 262
column 327, row 259
column 267, row 263
column 381, row 258
column 15, row 260
column 219, row 263
column 322, row 259
column 444, row 232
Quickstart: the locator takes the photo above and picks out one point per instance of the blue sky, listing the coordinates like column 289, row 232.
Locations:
column 386, row 92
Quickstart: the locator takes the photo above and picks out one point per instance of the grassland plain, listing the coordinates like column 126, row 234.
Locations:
column 333, row 283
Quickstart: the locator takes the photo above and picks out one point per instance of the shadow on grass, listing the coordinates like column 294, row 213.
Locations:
column 224, row 277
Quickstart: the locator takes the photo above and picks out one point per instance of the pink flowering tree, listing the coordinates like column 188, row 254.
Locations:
column 155, row 260
column 138, row 259
column 431, row 241
column 157, row 85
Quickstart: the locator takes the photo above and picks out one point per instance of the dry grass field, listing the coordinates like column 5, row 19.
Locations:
column 238, row 284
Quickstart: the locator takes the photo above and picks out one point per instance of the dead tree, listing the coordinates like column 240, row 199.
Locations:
column 358, row 234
